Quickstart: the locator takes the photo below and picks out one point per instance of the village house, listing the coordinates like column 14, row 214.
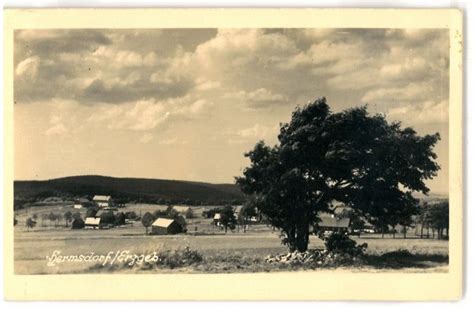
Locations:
column 163, row 226
column 103, row 201
column 92, row 223
column 330, row 223
column 217, row 219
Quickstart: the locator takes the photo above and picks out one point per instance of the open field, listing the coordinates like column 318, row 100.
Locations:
column 32, row 247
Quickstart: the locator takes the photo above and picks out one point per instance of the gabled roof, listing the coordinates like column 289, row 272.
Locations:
column 162, row 222
column 181, row 208
column 334, row 222
column 92, row 221
column 102, row 198
column 238, row 208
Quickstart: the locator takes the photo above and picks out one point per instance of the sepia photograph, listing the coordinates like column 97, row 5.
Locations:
column 231, row 150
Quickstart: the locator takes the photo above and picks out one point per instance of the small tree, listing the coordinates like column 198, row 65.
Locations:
column 359, row 159
column 147, row 221
column 68, row 217
column 52, row 218
column 76, row 215
column 228, row 219
column 91, row 212
column 119, row 219
column 190, row 213
column 30, row 223
column 44, row 217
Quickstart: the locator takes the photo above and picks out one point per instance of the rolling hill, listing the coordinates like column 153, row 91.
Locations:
column 145, row 190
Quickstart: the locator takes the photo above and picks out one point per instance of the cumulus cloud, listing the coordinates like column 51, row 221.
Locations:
column 258, row 131
column 257, row 98
column 28, row 67
column 428, row 112
column 146, row 138
column 163, row 74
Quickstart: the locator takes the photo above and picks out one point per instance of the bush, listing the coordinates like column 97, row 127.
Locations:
column 179, row 258
column 341, row 243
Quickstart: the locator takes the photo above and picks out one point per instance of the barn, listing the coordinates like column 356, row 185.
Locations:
column 92, row 223
column 334, row 224
column 163, row 226
column 103, row 201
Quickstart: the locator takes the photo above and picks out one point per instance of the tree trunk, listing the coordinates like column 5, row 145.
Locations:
column 422, row 230
column 404, row 232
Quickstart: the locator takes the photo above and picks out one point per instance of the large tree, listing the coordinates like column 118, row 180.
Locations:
column 362, row 160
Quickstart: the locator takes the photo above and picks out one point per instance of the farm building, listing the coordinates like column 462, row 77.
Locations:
column 182, row 209
column 103, row 201
column 217, row 219
column 334, row 224
column 237, row 210
column 92, row 223
column 163, row 226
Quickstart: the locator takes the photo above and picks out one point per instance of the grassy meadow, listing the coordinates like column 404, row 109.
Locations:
column 34, row 246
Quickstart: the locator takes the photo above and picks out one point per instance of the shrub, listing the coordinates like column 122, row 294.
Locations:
column 341, row 243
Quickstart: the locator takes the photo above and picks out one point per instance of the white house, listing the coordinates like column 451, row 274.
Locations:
column 92, row 223
column 103, row 201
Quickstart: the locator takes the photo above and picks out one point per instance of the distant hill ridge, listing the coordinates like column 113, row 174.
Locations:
column 143, row 189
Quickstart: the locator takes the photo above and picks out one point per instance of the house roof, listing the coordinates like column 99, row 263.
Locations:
column 334, row 222
column 181, row 208
column 102, row 198
column 162, row 222
column 238, row 208
column 217, row 216
column 92, row 221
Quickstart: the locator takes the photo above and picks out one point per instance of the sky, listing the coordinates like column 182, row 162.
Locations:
column 187, row 104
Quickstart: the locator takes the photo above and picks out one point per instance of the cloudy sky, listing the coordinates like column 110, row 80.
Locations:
column 186, row 104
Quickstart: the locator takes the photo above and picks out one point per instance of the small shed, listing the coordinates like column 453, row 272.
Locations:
column 217, row 219
column 92, row 223
column 77, row 206
column 163, row 226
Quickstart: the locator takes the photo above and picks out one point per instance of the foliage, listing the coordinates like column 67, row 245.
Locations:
column 129, row 189
column 339, row 242
column 92, row 211
column 435, row 216
column 131, row 215
column 190, row 213
column 179, row 258
column 352, row 157
column 228, row 219
column 119, row 219
column 68, row 217
column 147, row 221
column 30, row 223
column 78, row 223
column 107, row 217
column 76, row 215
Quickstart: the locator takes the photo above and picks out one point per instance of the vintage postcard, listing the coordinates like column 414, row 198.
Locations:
column 241, row 154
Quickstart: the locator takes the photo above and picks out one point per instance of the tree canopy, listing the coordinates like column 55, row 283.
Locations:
column 361, row 160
